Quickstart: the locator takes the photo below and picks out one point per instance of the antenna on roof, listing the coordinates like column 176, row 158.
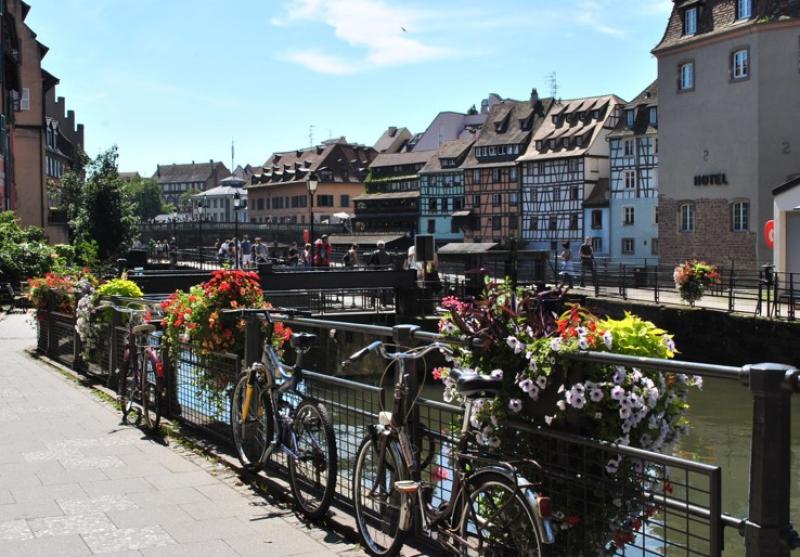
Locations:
column 310, row 136
column 232, row 155
column 552, row 81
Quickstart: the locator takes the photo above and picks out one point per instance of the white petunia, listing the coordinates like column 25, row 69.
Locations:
column 555, row 344
column 548, row 419
column 515, row 344
column 583, row 343
column 596, row 395
column 608, row 338
column 612, row 466
column 515, row 405
column 541, row 381
column 624, row 412
column 497, row 374
column 526, row 385
column 619, row 375
column 534, row 393
column 618, row 393
column 562, row 405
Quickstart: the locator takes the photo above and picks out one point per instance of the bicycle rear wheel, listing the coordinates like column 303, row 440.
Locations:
column 127, row 388
column 498, row 520
column 377, row 501
column 151, row 394
column 313, row 473
column 253, row 434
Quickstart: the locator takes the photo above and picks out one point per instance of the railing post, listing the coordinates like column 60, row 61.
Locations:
column 769, row 532
column 51, row 328
column 113, row 349
column 656, row 293
column 790, row 309
column 731, row 286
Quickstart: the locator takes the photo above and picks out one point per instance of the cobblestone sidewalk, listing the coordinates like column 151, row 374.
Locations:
column 74, row 482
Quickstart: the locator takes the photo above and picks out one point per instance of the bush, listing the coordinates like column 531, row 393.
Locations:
column 24, row 252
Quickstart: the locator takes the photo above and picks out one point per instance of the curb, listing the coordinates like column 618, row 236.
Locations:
column 337, row 520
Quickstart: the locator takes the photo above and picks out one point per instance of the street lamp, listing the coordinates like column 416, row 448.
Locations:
column 203, row 207
column 312, row 184
column 237, row 200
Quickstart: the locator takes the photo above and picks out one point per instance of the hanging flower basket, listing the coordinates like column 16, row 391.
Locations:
column 693, row 278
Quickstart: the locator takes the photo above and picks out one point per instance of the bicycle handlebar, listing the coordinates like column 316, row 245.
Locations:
column 265, row 314
column 413, row 354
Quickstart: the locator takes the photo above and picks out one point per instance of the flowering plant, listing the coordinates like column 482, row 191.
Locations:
column 92, row 315
column 693, row 277
column 628, row 406
column 63, row 288
column 195, row 318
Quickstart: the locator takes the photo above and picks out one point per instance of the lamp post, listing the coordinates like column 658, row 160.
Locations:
column 237, row 200
column 312, row 185
column 203, row 207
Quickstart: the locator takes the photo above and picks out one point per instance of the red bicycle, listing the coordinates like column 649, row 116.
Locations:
column 140, row 376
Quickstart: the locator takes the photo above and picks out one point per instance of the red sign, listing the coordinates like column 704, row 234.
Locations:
column 769, row 233
column 306, row 236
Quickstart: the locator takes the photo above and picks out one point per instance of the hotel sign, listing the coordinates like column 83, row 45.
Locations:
column 720, row 179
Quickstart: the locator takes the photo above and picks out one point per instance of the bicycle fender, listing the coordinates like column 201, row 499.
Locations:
column 153, row 358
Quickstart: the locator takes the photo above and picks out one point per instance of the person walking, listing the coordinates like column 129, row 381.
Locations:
column 294, row 255
column 247, row 251
column 566, row 264
column 322, row 252
column 306, row 256
column 587, row 261
column 350, row 258
column 260, row 252
column 379, row 257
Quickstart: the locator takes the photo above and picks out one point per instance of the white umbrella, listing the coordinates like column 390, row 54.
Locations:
column 342, row 215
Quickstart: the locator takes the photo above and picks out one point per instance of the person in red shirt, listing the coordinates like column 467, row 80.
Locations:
column 322, row 252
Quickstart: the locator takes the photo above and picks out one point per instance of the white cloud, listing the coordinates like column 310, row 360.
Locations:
column 591, row 14
column 372, row 25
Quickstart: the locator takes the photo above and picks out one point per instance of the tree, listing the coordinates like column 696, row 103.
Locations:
column 472, row 111
column 147, row 199
column 107, row 212
column 185, row 200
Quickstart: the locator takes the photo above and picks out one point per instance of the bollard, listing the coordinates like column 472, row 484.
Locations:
column 252, row 341
column 769, row 532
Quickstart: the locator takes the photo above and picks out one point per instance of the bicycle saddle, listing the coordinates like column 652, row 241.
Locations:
column 474, row 385
column 144, row 329
column 303, row 341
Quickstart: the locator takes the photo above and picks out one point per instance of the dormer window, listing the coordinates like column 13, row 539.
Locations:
column 654, row 116
column 552, row 144
column 596, row 114
column 744, row 9
column 539, row 145
column 629, row 118
column 690, row 21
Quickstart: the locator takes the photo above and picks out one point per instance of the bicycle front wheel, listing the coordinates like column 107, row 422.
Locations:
column 252, row 433
column 313, row 472
column 377, row 501
column 151, row 394
column 498, row 520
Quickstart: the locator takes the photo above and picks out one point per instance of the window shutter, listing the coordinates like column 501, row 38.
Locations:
column 25, row 101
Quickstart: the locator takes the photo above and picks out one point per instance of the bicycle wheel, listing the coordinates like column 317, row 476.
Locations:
column 253, row 435
column 498, row 520
column 151, row 394
column 377, row 502
column 313, row 473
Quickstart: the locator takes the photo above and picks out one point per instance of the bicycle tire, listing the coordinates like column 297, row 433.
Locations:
column 150, row 393
column 313, row 420
column 524, row 540
column 126, row 388
column 387, row 516
column 253, row 438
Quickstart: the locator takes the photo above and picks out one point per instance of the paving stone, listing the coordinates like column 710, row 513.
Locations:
column 6, row 497
column 161, row 515
column 15, row 530
column 127, row 539
column 215, row 548
column 117, row 487
column 44, row 492
column 281, row 542
column 82, row 462
column 182, row 479
column 71, row 524
column 63, row 476
column 61, row 546
column 101, row 504
column 178, row 496
column 203, row 530
column 30, row 509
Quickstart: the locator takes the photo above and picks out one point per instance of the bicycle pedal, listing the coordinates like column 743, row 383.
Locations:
column 406, row 486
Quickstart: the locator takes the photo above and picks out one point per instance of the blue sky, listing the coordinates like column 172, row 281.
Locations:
column 176, row 80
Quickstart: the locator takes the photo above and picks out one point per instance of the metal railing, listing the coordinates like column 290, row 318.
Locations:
column 685, row 518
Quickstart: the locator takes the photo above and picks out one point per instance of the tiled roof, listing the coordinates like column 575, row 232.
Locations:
column 348, row 163
column 581, row 133
column 390, row 138
column 504, row 126
column 221, row 190
column 401, row 159
column 598, row 197
column 192, row 172
column 456, row 149
column 391, row 195
column 719, row 16
column 641, row 105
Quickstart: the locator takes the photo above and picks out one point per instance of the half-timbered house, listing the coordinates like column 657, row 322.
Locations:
column 491, row 183
column 566, row 159
column 441, row 188
column 634, row 178
column 391, row 201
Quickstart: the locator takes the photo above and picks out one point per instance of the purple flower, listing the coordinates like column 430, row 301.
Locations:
column 541, row 381
column 515, row 344
column 576, row 399
column 697, row 381
column 496, row 374
column 596, row 395
column 526, row 385
column 619, row 375
column 515, row 405
column 624, row 412
column 583, row 343
column 534, row 393
column 612, row 466
column 555, row 344
column 618, row 393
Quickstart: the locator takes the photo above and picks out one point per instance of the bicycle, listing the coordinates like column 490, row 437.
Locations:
column 140, row 377
column 264, row 421
column 492, row 509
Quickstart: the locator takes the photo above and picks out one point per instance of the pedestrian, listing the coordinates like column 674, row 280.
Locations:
column 294, row 254
column 222, row 252
column 379, row 257
column 306, row 256
column 173, row 251
column 260, row 252
column 247, row 251
column 587, row 261
column 566, row 264
column 350, row 258
column 322, row 252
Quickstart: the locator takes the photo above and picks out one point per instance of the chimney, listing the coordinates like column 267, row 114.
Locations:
column 80, row 136
column 70, row 123
column 534, row 97
column 392, row 131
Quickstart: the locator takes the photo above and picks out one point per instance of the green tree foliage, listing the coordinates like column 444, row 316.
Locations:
column 23, row 251
column 472, row 111
column 185, row 200
column 147, row 198
column 107, row 213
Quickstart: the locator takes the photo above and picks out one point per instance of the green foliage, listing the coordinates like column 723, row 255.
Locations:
column 120, row 287
column 185, row 199
column 472, row 111
column 637, row 337
column 107, row 213
column 147, row 198
column 23, row 251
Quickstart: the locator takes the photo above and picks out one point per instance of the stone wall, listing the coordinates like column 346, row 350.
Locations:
column 713, row 238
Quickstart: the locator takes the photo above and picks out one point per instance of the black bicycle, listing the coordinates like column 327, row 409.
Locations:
column 266, row 417
column 492, row 510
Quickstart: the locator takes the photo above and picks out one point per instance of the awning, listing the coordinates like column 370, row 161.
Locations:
column 462, row 213
column 467, row 248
